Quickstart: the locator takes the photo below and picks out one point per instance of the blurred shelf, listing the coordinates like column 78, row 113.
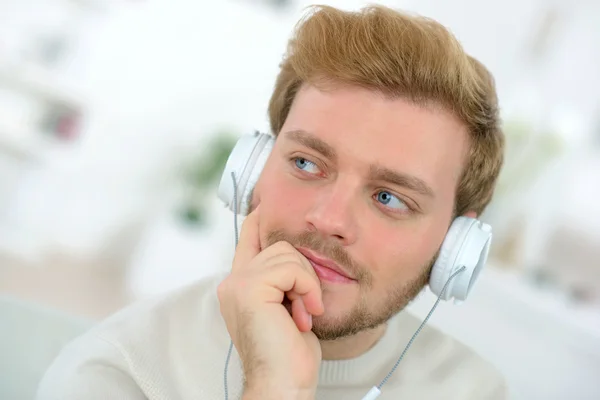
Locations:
column 30, row 148
column 41, row 84
column 19, row 141
column 18, row 144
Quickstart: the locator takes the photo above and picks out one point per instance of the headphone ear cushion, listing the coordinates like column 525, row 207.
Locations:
column 246, row 163
column 444, row 265
column 253, row 176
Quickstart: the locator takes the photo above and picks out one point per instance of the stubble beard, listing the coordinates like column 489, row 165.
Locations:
column 363, row 316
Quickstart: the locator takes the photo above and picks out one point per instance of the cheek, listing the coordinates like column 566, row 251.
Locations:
column 399, row 254
column 386, row 252
column 284, row 202
column 283, row 197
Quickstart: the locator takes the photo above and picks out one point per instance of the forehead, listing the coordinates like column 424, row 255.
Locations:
column 366, row 127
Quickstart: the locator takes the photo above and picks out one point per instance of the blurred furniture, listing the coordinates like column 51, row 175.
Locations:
column 35, row 113
column 31, row 336
column 570, row 261
column 90, row 288
column 546, row 348
column 44, row 46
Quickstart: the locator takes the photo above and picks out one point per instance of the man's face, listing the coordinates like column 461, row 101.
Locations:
column 368, row 183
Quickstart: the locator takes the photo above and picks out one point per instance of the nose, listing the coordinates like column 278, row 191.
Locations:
column 332, row 214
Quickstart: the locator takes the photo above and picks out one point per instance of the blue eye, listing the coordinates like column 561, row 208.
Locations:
column 389, row 200
column 305, row 165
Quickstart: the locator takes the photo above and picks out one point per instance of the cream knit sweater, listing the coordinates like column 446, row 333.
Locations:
column 174, row 348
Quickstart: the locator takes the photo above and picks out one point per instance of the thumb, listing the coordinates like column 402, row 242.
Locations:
column 249, row 242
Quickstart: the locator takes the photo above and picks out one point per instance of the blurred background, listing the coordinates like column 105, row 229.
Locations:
column 116, row 118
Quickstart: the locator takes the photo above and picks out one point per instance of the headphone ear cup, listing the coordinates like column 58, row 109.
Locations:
column 246, row 162
column 466, row 244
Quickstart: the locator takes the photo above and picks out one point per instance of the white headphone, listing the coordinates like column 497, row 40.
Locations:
column 467, row 242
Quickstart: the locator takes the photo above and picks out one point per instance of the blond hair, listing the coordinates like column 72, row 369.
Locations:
column 399, row 55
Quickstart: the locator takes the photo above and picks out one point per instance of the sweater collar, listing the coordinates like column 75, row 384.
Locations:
column 368, row 368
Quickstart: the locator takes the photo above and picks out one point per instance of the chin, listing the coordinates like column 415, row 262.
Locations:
column 338, row 304
column 333, row 315
column 340, row 320
column 328, row 328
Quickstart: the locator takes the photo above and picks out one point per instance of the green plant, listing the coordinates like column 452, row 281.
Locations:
column 203, row 174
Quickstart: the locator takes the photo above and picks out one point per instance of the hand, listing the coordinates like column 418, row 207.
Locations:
column 279, row 353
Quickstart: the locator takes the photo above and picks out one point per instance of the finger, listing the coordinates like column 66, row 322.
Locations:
column 249, row 242
column 301, row 317
column 294, row 280
column 313, row 305
column 284, row 253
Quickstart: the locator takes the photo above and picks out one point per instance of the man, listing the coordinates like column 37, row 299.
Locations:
column 386, row 131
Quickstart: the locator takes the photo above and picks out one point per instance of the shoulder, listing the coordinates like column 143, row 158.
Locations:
column 194, row 306
column 451, row 364
column 146, row 335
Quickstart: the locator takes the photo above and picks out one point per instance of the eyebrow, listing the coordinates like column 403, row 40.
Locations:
column 311, row 141
column 379, row 173
column 376, row 172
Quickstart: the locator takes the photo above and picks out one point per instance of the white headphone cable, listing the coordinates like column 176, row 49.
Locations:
column 235, row 227
column 376, row 390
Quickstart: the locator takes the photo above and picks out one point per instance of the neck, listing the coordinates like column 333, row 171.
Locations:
column 351, row 346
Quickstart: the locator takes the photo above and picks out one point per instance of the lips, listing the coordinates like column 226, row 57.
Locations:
column 326, row 269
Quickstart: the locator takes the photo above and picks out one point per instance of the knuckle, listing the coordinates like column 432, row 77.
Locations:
column 304, row 264
column 291, row 261
column 301, row 265
column 301, row 260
